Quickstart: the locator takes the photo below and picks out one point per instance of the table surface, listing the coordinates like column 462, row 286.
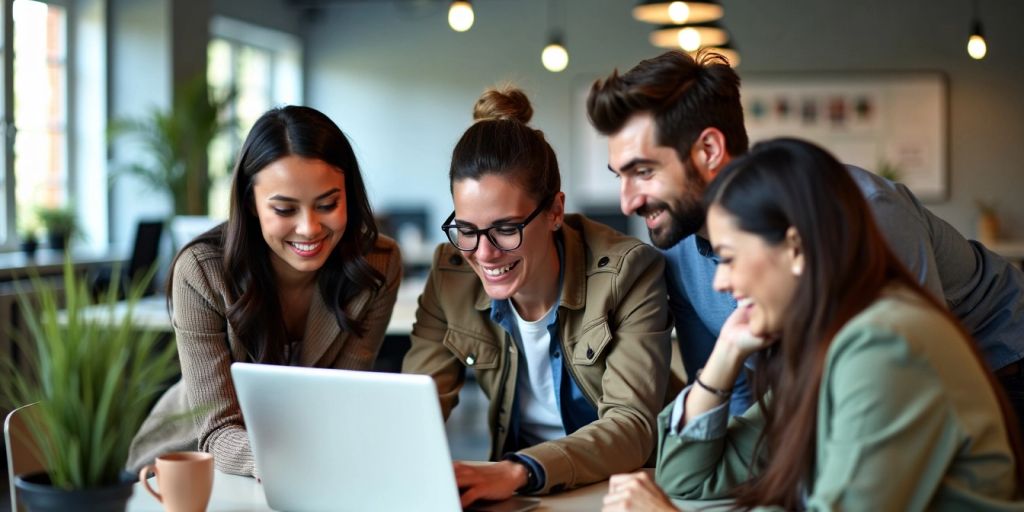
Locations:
column 236, row 493
column 16, row 264
column 151, row 312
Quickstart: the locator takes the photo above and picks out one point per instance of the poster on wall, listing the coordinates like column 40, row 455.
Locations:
column 893, row 124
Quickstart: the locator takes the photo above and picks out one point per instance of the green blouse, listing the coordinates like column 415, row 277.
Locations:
column 907, row 420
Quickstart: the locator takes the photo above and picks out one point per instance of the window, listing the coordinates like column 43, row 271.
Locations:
column 36, row 114
column 261, row 67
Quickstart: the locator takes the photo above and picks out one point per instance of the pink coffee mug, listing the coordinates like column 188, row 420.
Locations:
column 185, row 480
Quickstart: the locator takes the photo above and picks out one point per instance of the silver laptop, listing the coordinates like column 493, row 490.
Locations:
column 337, row 440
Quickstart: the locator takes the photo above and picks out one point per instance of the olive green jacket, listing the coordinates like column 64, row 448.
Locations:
column 907, row 420
column 614, row 328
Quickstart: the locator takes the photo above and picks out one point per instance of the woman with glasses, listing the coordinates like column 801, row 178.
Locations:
column 562, row 320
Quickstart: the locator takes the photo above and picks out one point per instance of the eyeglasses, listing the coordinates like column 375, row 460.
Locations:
column 507, row 237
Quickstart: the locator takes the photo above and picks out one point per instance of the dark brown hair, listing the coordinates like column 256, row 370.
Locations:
column 254, row 312
column 684, row 94
column 501, row 142
column 787, row 183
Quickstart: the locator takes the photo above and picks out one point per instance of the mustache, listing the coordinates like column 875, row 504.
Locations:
column 651, row 207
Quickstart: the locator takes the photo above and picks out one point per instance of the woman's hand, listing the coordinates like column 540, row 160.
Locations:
column 488, row 481
column 736, row 336
column 635, row 492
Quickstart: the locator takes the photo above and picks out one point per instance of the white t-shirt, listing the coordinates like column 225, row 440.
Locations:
column 539, row 417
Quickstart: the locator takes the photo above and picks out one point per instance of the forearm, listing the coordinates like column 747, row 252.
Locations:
column 719, row 373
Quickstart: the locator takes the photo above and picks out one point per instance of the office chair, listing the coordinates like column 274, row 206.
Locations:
column 22, row 454
column 145, row 253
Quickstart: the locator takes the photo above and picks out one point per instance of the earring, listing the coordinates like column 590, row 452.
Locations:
column 558, row 226
column 797, row 269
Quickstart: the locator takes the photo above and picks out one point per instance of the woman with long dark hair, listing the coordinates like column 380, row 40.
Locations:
column 298, row 276
column 870, row 395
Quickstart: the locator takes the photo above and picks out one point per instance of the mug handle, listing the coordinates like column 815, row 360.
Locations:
column 143, row 477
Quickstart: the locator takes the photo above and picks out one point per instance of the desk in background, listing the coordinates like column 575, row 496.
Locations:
column 1012, row 250
column 151, row 312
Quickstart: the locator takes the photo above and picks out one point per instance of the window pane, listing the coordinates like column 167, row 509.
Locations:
column 40, row 78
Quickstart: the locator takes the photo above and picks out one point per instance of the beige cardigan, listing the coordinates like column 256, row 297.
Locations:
column 207, row 346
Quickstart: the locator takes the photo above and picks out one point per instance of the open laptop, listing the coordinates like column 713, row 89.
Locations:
column 345, row 440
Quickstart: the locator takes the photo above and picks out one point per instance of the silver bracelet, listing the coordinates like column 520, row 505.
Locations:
column 720, row 393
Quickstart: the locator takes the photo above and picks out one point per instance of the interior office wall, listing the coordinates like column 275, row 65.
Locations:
column 154, row 44
column 139, row 67
column 402, row 84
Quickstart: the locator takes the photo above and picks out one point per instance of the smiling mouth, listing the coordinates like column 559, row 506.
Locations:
column 745, row 302
column 494, row 272
column 307, row 246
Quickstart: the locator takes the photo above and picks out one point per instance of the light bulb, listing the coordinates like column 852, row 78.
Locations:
column 460, row 16
column 689, row 39
column 976, row 47
column 678, row 12
column 554, row 57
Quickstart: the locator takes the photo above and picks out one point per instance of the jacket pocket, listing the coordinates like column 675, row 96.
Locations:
column 592, row 343
column 473, row 351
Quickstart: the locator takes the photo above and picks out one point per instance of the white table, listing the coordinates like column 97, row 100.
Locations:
column 238, row 493
column 151, row 312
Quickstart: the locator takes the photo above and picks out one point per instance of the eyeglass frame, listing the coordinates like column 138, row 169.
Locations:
column 487, row 231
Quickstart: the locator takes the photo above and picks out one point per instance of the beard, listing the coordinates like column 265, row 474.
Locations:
column 686, row 212
column 685, row 218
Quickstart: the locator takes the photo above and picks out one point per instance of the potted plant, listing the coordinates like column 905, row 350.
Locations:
column 93, row 376
column 176, row 144
column 59, row 224
column 29, row 243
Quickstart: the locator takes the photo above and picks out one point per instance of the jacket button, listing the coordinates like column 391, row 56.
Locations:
column 470, row 359
column 590, row 353
column 603, row 261
column 455, row 259
column 557, row 354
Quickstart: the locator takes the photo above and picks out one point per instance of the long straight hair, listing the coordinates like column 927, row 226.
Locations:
column 254, row 311
column 788, row 182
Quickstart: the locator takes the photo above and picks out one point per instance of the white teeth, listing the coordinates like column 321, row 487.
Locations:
column 498, row 271
column 305, row 247
column 745, row 302
column 654, row 214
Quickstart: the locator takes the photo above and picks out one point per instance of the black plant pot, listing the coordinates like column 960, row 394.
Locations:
column 57, row 240
column 37, row 495
column 29, row 247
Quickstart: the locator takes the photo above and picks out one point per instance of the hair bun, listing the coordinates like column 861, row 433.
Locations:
column 504, row 103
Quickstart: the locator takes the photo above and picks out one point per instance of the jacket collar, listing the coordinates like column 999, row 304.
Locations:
column 322, row 328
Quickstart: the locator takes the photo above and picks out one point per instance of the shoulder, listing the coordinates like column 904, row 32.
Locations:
column 607, row 250
column 385, row 256
column 899, row 324
column 198, row 259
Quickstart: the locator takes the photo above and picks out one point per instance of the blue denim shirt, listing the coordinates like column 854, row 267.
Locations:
column 699, row 310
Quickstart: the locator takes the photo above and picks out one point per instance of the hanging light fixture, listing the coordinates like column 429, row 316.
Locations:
column 460, row 15
column 660, row 12
column 689, row 37
column 554, row 57
column 976, row 45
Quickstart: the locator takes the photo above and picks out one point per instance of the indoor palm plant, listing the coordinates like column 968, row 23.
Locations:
column 93, row 376
column 59, row 224
column 176, row 144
